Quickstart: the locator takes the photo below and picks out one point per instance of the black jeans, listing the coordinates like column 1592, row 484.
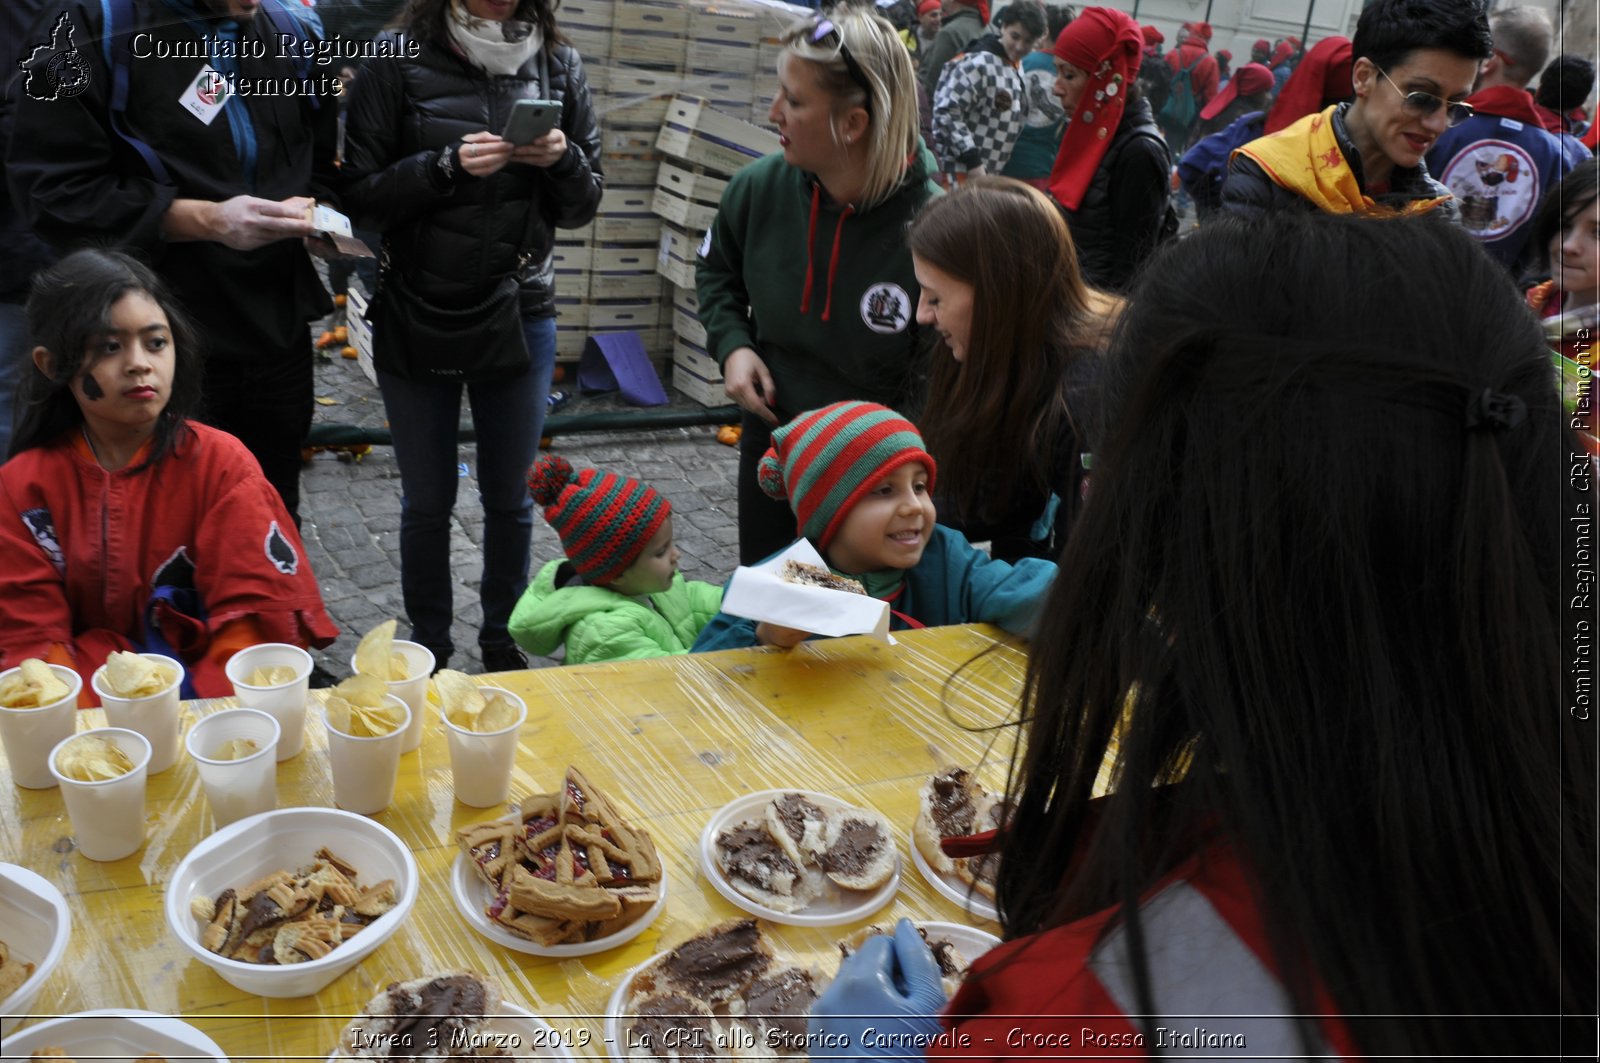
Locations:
column 266, row 402
column 766, row 525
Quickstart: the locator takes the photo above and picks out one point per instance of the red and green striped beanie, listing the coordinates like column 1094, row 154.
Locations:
column 826, row 460
column 604, row 520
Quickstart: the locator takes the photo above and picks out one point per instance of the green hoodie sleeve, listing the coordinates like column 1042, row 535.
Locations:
column 719, row 276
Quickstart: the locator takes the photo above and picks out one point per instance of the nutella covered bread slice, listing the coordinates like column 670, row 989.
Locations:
column 758, row 867
column 441, row 1016
column 859, row 849
column 815, row 576
column 799, row 825
column 713, row 967
column 949, row 808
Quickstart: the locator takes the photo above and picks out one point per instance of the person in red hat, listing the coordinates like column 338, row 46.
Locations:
column 929, row 15
column 1194, row 78
column 1111, row 175
column 1153, row 39
column 1283, row 60
column 964, row 22
column 1414, row 63
column 1261, row 52
column 1321, row 80
column 1250, row 90
column 1224, row 73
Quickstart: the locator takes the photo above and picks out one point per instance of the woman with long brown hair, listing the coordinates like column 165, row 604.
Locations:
column 1020, row 332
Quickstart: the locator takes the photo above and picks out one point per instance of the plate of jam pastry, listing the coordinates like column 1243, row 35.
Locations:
column 801, row 858
column 565, row 875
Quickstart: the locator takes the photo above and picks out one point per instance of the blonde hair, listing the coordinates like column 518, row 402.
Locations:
column 885, row 64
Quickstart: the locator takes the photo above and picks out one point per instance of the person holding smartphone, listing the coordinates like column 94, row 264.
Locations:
column 468, row 155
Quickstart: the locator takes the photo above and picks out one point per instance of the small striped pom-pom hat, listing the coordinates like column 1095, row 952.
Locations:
column 604, row 520
column 824, row 461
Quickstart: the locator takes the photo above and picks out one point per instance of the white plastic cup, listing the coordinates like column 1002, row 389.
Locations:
column 107, row 814
column 284, row 702
column 30, row 734
column 155, row 716
column 481, row 762
column 237, row 788
column 365, row 769
column 412, row 690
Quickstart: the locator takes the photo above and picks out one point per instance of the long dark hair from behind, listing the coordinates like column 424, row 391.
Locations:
column 1303, row 584
column 992, row 420
column 427, row 21
column 69, row 315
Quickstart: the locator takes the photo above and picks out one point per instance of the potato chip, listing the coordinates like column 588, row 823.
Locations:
column 90, row 759
column 131, row 675
column 358, row 707
column 460, row 701
column 497, row 714
column 270, row 677
column 235, row 749
column 33, row 685
column 377, row 656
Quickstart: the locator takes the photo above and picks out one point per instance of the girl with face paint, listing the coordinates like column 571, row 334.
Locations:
column 136, row 529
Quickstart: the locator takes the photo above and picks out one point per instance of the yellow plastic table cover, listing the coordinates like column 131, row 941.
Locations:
column 672, row 740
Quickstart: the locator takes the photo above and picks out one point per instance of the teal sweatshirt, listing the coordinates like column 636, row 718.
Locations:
column 752, row 282
column 598, row 624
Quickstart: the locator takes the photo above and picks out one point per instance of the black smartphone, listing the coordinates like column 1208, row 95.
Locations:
column 530, row 120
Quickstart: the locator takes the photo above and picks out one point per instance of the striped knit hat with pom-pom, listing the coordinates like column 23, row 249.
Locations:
column 825, row 461
column 604, row 520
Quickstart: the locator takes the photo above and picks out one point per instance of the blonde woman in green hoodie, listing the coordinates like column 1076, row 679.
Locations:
column 805, row 283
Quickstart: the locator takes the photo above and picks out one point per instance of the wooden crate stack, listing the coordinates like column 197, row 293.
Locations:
column 703, row 147
column 640, row 55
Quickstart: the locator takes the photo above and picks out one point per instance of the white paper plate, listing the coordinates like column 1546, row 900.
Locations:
column 472, row 894
column 37, row 926
column 834, row 908
column 955, row 891
column 114, row 1035
column 971, row 941
column 534, row 1038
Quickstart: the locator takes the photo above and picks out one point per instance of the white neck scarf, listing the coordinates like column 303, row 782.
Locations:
column 497, row 47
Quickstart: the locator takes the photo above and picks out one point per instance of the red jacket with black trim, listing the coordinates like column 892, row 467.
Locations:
column 84, row 550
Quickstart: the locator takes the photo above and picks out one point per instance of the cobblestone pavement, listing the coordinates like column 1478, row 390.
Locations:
column 351, row 511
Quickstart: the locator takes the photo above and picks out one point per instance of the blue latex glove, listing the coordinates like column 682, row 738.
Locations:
column 884, row 1004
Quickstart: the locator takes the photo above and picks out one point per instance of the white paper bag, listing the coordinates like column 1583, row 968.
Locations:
column 759, row 593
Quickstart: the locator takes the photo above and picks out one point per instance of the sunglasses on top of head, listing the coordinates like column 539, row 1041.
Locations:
column 824, row 34
column 1422, row 104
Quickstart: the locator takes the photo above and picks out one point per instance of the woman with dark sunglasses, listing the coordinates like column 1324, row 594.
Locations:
column 1415, row 60
column 805, row 281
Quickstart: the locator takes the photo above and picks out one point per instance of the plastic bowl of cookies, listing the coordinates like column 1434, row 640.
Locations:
column 36, row 926
column 287, row 839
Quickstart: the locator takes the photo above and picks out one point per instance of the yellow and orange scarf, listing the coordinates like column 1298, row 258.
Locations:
column 1305, row 158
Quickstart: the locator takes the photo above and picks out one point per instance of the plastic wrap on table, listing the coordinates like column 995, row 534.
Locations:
column 671, row 740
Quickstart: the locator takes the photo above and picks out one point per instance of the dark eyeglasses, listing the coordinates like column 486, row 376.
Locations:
column 1422, row 104
column 824, row 34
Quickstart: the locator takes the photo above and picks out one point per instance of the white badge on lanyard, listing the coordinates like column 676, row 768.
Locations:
column 205, row 96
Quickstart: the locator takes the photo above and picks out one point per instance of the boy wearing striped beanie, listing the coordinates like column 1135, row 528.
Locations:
column 618, row 594
column 860, row 482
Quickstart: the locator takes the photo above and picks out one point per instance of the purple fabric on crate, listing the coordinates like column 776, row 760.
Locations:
column 617, row 360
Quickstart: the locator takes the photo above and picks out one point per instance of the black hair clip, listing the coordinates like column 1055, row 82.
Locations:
column 1490, row 410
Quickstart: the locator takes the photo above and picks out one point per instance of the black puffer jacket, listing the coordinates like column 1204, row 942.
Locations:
column 456, row 238
column 1123, row 214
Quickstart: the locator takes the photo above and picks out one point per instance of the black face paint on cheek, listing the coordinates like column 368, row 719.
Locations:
column 91, row 389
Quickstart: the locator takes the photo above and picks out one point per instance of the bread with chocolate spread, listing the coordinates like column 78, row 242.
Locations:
column 441, row 1016
column 859, row 850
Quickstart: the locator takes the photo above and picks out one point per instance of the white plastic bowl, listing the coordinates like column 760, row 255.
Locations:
column 38, row 925
column 285, row 839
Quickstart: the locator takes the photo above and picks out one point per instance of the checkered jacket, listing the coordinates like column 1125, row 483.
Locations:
column 979, row 110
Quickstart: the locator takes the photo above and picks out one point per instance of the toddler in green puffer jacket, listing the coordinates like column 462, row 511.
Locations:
column 617, row 595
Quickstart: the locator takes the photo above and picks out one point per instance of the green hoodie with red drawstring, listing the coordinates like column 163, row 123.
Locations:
column 823, row 292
